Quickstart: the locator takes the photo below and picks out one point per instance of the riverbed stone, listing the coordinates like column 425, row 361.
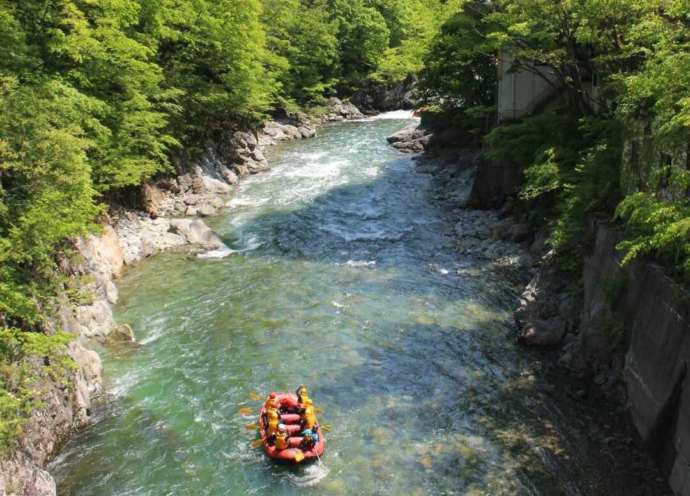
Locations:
column 307, row 132
column 543, row 333
column 229, row 176
column 206, row 210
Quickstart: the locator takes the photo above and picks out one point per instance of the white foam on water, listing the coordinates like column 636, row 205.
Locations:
column 216, row 254
column 239, row 202
column 251, row 244
column 372, row 171
column 374, row 234
column 123, row 384
column 315, row 170
column 394, row 115
column 311, row 476
column 360, row 263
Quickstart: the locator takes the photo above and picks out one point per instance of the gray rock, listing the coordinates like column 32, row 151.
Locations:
column 257, row 167
column 229, row 176
column 258, row 155
column 245, row 140
column 240, row 170
column 197, row 185
column 190, row 199
column 291, row 132
column 111, row 292
column 410, row 139
column 543, row 333
column 495, row 181
column 185, row 182
column 206, row 210
column 213, row 185
column 307, row 132
column 197, row 232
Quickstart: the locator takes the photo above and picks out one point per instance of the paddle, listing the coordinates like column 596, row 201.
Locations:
column 254, row 396
column 246, row 410
column 256, row 443
column 325, row 428
column 251, row 427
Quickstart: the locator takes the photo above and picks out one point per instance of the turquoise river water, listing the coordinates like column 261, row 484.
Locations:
column 345, row 279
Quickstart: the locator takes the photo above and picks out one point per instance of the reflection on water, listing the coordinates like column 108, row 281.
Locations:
column 346, row 280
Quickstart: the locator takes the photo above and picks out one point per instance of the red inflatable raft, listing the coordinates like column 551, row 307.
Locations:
column 296, row 452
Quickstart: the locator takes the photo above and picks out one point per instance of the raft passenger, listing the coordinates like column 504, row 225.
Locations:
column 282, row 438
column 309, row 438
column 308, row 415
column 273, row 421
column 302, row 394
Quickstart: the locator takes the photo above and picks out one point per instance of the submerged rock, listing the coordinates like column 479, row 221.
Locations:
column 123, row 332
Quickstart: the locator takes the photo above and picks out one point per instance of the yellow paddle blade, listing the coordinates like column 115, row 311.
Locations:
column 318, row 410
column 251, row 427
column 246, row 410
column 256, row 443
column 254, row 396
column 325, row 428
column 299, row 456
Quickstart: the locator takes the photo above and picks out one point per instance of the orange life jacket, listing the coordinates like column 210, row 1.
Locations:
column 273, row 421
column 281, row 441
column 309, row 417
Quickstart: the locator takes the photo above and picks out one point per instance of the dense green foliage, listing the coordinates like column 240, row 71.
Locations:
column 459, row 74
column 24, row 372
column 621, row 149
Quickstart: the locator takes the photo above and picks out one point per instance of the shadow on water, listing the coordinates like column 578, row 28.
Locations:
column 347, row 279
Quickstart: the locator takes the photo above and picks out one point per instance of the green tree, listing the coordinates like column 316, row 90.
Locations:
column 363, row 37
column 459, row 74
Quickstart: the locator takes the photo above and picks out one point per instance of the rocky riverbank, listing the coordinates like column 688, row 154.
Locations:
column 587, row 336
column 170, row 217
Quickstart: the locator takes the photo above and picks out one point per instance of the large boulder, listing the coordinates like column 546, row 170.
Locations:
column 380, row 97
column 345, row 110
column 196, row 232
column 411, row 138
column 495, row 181
column 243, row 140
column 215, row 186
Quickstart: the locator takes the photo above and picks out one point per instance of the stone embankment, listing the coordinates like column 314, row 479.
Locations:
column 171, row 217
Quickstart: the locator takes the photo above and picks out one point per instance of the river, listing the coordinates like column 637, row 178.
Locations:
column 345, row 279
